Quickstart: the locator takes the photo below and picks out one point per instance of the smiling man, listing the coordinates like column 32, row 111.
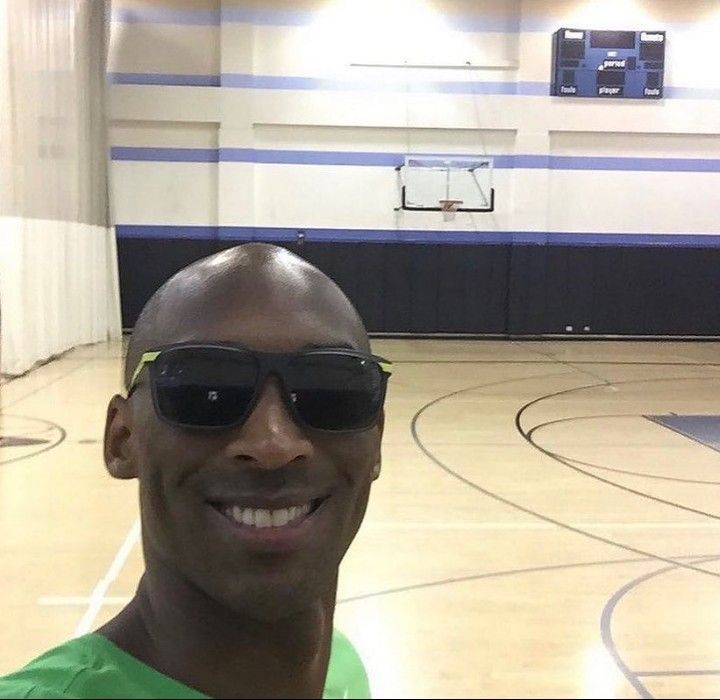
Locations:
column 252, row 422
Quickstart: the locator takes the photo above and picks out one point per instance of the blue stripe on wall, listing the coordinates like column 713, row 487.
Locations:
column 174, row 155
column 282, row 82
column 584, row 239
column 166, row 232
column 526, row 88
column 279, row 18
column 259, row 16
column 164, row 79
column 165, row 15
column 453, row 87
column 675, row 165
column 310, row 157
column 284, row 18
column 361, row 158
column 505, row 24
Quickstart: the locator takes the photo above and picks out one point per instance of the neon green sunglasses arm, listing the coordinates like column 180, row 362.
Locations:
column 145, row 359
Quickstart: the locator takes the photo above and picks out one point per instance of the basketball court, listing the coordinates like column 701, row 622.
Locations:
column 546, row 522
column 504, row 189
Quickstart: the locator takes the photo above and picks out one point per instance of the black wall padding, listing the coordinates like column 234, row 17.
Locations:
column 483, row 289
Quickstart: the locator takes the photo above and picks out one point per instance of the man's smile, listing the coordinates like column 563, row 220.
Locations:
column 274, row 524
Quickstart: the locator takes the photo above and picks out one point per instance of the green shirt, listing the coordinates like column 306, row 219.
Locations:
column 93, row 667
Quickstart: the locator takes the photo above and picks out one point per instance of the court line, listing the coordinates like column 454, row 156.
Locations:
column 606, row 623
column 657, row 477
column 504, row 573
column 30, row 433
column 98, row 594
column 6, row 379
column 570, row 364
column 53, row 600
column 713, row 672
column 47, row 448
column 584, row 472
column 517, row 506
column 612, row 469
column 682, row 360
column 67, row 601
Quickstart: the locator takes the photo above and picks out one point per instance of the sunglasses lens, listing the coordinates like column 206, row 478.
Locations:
column 336, row 392
column 204, row 387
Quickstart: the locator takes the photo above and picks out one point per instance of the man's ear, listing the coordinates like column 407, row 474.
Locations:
column 117, row 449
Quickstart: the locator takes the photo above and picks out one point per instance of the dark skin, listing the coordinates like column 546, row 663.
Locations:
column 219, row 617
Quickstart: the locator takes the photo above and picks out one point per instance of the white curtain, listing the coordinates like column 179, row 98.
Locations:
column 58, row 260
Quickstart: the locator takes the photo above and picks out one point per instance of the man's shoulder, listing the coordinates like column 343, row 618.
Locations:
column 91, row 667
column 50, row 675
column 346, row 677
column 70, row 671
column 11, row 687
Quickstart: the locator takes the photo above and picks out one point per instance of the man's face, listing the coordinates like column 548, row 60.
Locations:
column 191, row 482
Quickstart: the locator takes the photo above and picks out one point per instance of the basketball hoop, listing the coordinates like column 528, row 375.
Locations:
column 449, row 208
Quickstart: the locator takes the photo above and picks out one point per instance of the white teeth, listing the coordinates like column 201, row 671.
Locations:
column 261, row 518
column 280, row 517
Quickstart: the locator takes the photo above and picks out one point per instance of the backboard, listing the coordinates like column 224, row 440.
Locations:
column 429, row 181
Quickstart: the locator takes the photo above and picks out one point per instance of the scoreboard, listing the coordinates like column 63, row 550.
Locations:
column 603, row 63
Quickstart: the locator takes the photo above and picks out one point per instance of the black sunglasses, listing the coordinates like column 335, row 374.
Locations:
column 216, row 386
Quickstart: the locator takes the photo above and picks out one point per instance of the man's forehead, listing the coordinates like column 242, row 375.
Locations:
column 266, row 325
column 269, row 341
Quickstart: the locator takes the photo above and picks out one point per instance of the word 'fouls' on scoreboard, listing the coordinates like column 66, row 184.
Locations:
column 603, row 63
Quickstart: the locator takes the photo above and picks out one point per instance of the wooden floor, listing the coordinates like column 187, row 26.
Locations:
column 532, row 534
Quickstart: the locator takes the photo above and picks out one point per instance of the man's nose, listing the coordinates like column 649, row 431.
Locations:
column 270, row 438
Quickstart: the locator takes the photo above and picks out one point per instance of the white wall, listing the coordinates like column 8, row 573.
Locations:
column 308, row 97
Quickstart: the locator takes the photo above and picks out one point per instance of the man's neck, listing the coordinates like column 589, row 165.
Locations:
column 183, row 634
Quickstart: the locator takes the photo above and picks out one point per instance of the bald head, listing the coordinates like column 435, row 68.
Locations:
column 266, row 293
